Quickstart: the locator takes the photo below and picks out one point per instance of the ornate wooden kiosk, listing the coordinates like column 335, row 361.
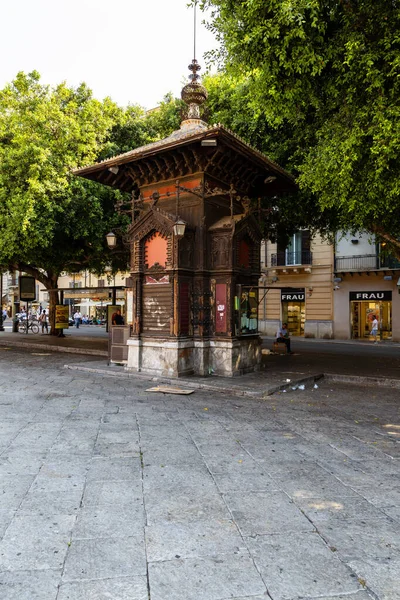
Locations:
column 195, row 295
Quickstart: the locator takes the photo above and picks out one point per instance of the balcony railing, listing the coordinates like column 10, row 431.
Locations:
column 292, row 259
column 367, row 262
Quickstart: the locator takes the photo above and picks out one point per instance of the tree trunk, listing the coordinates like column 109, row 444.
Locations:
column 50, row 282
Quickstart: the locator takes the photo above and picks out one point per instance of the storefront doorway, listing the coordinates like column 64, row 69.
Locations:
column 293, row 310
column 365, row 306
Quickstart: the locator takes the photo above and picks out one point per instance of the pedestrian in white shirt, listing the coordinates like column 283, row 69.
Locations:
column 77, row 319
column 374, row 329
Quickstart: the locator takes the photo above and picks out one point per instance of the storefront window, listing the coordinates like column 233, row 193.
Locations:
column 293, row 309
column 293, row 313
column 362, row 315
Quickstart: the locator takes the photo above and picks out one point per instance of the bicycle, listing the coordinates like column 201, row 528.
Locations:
column 26, row 325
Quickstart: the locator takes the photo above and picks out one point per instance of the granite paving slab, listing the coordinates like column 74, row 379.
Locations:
column 13, row 488
column 166, row 541
column 210, row 578
column 380, row 577
column 258, row 513
column 105, row 558
column 124, row 492
column 185, row 506
column 36, row 542
column 126, row 588
column 29, row 585
column 110, row 521
column 300, row 565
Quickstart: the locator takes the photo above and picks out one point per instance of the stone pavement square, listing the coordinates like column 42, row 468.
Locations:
column 108, row 492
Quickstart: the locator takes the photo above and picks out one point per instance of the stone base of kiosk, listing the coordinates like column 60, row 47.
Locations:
column 179, row 358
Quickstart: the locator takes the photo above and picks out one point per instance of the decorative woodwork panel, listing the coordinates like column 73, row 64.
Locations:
column 185, row 245
column 156, row 312
column 220, row 307
column 220, row 251
column 244, row 254
column 184, row 308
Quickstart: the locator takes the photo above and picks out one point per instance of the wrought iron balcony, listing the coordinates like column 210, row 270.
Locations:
column 366, row 262
column 291, row 259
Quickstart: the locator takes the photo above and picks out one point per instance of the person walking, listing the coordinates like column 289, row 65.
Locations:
column 77, row 319
column 374, row 329
column 282, row 336
column 44, row 322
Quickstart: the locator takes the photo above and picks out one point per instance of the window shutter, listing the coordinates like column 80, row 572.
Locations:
column 280, row 256
column 306, row 240
column 305, row 247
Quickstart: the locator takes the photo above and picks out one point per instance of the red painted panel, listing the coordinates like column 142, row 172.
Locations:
column 155, row 250
column 244, row 254
column 220, row 307
column 183, row 308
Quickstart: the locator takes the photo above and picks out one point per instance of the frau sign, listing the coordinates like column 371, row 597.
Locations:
column 292, row 295
column 374, row 296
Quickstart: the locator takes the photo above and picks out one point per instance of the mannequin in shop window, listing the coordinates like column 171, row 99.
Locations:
column 282, row 336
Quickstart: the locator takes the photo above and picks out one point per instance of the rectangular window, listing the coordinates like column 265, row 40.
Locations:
column 293, row 250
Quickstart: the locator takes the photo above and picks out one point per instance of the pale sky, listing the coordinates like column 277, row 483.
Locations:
column 132, row 50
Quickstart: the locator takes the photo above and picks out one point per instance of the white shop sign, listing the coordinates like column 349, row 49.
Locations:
column 295, row 295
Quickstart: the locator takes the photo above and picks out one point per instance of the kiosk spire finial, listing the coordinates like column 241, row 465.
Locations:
column 194, row 94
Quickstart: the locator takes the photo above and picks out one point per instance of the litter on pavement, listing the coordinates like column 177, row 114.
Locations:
column 168, row 389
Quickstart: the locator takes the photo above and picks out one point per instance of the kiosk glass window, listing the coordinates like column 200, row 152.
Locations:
column 248, row 312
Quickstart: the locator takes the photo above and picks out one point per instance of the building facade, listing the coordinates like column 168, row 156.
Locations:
column 325, row 290
column 367, row 285
column 299, row 278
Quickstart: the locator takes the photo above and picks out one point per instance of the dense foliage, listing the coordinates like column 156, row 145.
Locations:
column 322, row 77
column 52, row 221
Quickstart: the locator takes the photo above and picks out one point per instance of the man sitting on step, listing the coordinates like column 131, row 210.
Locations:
column 282, row 336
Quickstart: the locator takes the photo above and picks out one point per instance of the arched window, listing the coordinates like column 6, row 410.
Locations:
column 155, row 250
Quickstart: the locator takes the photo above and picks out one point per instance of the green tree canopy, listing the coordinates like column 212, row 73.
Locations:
column 323, row 77
column 50, row 220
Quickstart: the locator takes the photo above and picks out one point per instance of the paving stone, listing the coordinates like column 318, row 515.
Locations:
column 100, row 493
column 166, row 541
column 6, row 516
column 104, row 558
column 64, row 467
column 213, row 578
column 362, row 538
column 13, row 488
column 128, row 588
column 62, row 502
column 361, row 595
column 110, row 521
column 381, row 495
column 258, row 513
column 319, row 510
column 172, row 455
column 178, row 477
column 245, row 479
column 309, row 485
column 297, row 565
column 114, row 469
column 381, row 577
column 184, row 506
column 29, row 585
column 35, row 542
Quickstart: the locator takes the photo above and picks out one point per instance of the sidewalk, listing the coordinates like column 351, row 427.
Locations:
column 84, row 344
column 360, row 363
